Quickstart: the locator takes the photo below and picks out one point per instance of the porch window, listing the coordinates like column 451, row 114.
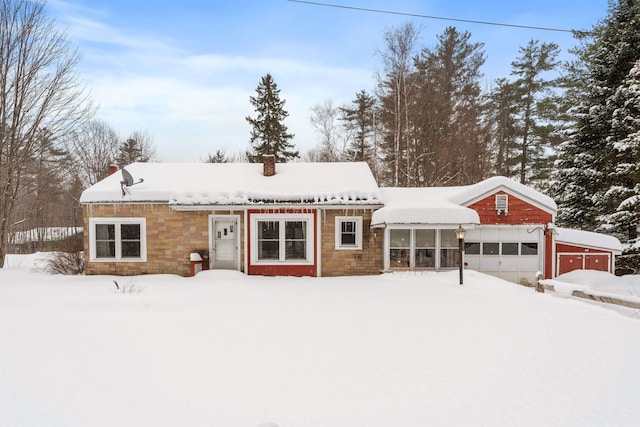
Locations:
column 449, row 253
column 348, row 232
column 400, row 248
column 117, row 239
column 425, row 253
column 282, row 239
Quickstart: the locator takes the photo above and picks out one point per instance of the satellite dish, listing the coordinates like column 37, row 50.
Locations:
column 127, row 181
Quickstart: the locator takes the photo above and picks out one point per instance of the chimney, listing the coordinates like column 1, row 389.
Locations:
column 113, row 169
column 269, row 164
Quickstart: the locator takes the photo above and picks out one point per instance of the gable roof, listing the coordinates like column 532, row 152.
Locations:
column 207, row 184
column 448, row 205
column 469, row 194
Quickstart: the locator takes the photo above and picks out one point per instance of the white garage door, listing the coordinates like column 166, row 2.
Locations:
column 513, row 253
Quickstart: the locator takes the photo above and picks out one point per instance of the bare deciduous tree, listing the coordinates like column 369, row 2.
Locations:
column 93, row 147
column 40, row 91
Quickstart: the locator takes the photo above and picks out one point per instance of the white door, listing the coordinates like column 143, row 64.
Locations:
column 225, row 243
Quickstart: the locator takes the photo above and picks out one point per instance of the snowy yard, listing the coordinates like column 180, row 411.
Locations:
column 224, row 349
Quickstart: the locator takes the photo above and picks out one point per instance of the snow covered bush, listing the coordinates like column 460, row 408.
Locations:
column 127, row 287
column 65, row 263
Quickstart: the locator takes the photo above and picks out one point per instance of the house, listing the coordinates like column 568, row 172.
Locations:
column 322, row 219
column 303, row 219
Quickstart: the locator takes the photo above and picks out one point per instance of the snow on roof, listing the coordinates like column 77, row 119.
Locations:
column 588, row 238
column 426, row 205
column 194, row 184
column 474, row 192
column 445, row 205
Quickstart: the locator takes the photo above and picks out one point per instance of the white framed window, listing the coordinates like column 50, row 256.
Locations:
column 348, row 232
column 117, row 239
column 282, row 239
column 502, row 203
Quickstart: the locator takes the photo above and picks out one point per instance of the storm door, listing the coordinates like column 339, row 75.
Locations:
column 225, row 243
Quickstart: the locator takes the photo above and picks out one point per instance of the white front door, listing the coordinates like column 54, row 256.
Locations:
column 225, row 243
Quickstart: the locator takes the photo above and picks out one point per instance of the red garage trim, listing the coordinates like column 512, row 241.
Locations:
column 283, row 269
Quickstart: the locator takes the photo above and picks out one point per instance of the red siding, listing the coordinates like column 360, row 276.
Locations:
column 278, row 269
column 589, row 258
column 561, row 247
column 519, row 212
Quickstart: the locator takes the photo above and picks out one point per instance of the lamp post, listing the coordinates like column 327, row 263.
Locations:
column 460, row 236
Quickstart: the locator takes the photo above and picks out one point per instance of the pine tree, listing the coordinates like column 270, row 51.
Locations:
column 269, row 135
column 622, row 199
column 535, row 109
column 587, row 161
column 130, row 152
column 360, row 120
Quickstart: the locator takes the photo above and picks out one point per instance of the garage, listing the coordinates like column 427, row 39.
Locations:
column 513, row 253
column 585, row 250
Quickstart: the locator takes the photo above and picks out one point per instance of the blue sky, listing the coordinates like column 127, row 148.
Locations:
column 184, row 70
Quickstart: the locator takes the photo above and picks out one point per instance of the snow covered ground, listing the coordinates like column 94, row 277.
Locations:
column 224, row 349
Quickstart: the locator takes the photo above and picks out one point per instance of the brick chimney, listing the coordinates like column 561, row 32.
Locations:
column 113, row 169
column 269, row 164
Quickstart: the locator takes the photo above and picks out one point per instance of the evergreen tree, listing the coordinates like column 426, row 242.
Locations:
column 587, row 161
column 500, row 115
column 269, row 135
column 130, row 152
column 360, row 120
column 621, row 201
column 535, row 108
column 220, row 156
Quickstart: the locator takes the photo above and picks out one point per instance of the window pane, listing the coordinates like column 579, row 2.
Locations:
column 399, row 257
column 529, row 248
column 490, row 248
column 472, row 248
column 105, row 241
column 268, row 230
column 348, row 233
column 509, row 249
column 130, row 231
column 131, row 249
column 400, row 238
column 105, row 249
column 425, row 238
column 296, row 249
column 425, row 258
column 448, row 239
column 268, row 249
column 105, row 232
column 449, row 258
column 294, row 229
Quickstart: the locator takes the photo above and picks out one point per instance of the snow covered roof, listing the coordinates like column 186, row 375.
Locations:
column 471, row 193
column 589, row 239
column 427, row 205
column 447, row 205
column 203, row 184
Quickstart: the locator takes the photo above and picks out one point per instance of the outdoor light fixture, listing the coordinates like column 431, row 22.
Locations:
column 460, row 232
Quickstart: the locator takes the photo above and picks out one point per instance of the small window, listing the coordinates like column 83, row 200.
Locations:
column 472, row 248
column 502, row 203
column 117, row 239
column 509, row 249
column 528, row 249
column 490, row 248
column 348, row 232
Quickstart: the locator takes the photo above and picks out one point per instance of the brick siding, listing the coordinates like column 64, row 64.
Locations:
column 368, row 260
